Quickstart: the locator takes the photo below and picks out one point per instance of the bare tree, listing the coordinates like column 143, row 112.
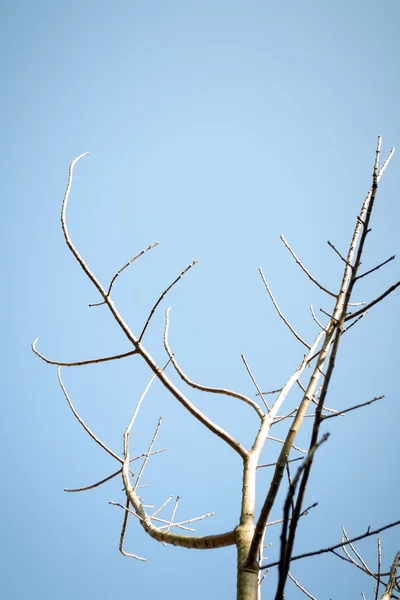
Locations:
column 319, row 357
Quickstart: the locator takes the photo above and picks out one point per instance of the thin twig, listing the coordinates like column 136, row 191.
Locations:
column 301, row 587
column 161, row 507
column 271, row 392
column 375, row 268
column 338, row 253
column 123, row 268
column 94, row 485
column 80, row 363
column 378, row 582
column 274, row 439
column 173, row 513
column 321, row 287
column 378, row 299
column 147, row 454
column 296, row 335
column 342, row 412
column 354, row 322
column 259, row 392
column 315, row 318
column 273, row 464
column 162, row 296
column 81, row 421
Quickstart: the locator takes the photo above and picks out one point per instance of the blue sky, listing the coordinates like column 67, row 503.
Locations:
column 213, row 127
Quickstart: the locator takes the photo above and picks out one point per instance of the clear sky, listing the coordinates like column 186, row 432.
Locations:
column 212, row 127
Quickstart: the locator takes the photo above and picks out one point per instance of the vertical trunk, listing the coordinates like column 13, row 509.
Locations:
column 247, row 576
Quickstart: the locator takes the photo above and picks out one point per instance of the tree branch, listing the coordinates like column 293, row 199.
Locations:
column 321, row 287
column 296, row 335
column 198, row 386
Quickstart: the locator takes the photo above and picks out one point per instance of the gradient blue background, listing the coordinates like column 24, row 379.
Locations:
column 213, row 127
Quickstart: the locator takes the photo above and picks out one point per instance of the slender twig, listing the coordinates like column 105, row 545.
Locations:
column 378, row 299
column 273, row 464
column 165, row 292
column 198, row 386
column 340, row 255
column 94, row 485
column 327, row 314
column 161, row 507
column 123, row 268
column 363, row 566
column 275, row 439
column 303, row 514
column 301, row 587
column 315, row 318
column 81, row 421
column 173, row 513
column 80, row 363
column 378, row 582
column 182, row 523
column 279, row 419
column 296, row 335
column 354, row 322
column 147, row 454
column 259, row 392
column 346, row 410
column 271, row 392
column 374, row 269
column 385, row 164
column 321, row 287
column 368, row 533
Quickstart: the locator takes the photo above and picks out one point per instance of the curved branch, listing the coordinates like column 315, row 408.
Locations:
column 197, row 386
column 163, row 378
column 198, row 542
column 81, row 421
column 80, row 363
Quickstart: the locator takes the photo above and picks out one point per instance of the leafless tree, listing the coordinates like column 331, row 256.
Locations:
column 313, row 376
